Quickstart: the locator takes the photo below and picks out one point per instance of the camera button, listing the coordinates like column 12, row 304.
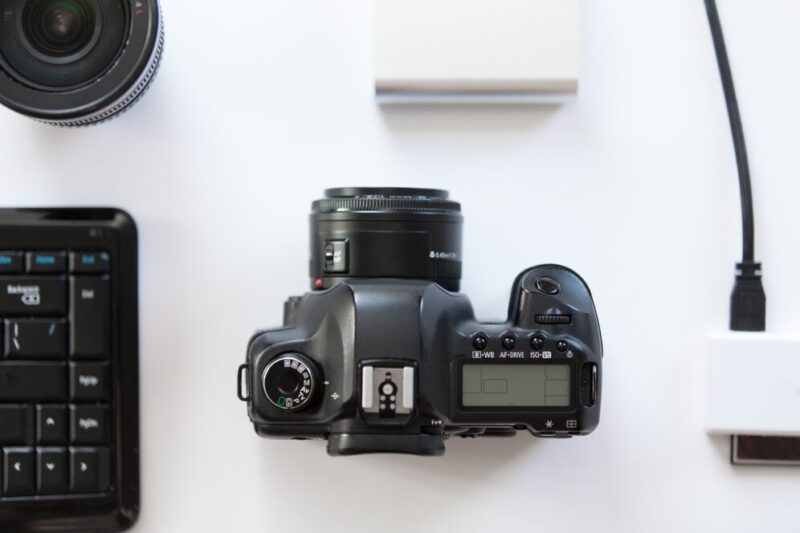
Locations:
column 479, row 342
column 562, row 346
column 509, row 342
column 537, row 343
column 548, row 285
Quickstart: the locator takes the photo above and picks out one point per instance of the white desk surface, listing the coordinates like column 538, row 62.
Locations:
column 260, row 105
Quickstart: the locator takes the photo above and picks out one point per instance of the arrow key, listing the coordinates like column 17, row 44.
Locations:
column 51, row 424
column 52, row 469
column 91, row 470
column 18, row 467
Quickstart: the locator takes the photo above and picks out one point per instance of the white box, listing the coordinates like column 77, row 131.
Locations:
column 486, row 50
column 753, row 385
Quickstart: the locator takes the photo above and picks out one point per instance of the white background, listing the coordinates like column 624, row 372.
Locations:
column 262, row 104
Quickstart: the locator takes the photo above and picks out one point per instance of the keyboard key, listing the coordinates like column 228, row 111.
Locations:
column 89, row 424
column 16, row 424
column 51, row 424
column 52, row 471
column 33, row 382
column 33, row 296
column 18, row 469
column 36, row 339
column 91, row 470
column 89, row 263
column 88, row 381
column 47, row 262
column 12, row 262
column 89, row 317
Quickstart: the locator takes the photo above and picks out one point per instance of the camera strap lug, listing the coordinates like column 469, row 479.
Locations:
column 243, row 378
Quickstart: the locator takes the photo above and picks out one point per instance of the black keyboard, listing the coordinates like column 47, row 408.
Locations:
column 69, row 452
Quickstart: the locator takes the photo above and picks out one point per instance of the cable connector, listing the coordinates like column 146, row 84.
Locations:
column 748, row 301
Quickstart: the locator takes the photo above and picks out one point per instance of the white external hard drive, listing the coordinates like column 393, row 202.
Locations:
column 476, row 50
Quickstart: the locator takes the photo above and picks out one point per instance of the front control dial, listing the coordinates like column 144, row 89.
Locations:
column 290, row 381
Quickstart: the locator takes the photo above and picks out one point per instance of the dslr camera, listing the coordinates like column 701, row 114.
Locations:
column 385, row 355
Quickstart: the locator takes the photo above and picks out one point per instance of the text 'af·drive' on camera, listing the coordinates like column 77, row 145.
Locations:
column 385, row 355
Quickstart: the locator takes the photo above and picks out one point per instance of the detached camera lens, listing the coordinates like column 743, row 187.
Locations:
column 77, row 62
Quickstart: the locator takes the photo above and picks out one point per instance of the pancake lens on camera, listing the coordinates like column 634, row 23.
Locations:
column 77, row 62
column 380, row 232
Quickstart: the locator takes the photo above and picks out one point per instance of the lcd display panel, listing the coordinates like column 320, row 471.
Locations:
column 515, row 385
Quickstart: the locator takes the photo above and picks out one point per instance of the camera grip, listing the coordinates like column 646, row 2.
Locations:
column 551, row 296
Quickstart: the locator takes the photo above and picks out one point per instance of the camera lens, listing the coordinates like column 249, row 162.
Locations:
column 77, row 62
column 386, row 233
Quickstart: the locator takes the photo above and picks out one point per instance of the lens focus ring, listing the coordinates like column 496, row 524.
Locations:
column 364, row 199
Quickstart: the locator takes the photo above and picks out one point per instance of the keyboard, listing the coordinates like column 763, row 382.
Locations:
column 68, row 370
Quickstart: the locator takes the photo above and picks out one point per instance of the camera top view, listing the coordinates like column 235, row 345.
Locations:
column 77, row 62
column 380, row 350
column 384, row 355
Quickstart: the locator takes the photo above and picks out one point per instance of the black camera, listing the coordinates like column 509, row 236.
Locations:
column 384, row 355
column 77, row 62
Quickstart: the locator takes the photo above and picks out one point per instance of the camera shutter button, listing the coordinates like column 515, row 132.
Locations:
column 548, row 285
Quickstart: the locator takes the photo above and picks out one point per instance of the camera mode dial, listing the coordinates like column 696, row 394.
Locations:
column 290, row 381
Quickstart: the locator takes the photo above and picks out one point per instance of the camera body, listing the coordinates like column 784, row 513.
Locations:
column 393, row 364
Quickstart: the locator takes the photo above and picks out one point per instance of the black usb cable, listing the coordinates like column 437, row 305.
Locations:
column 748, row 301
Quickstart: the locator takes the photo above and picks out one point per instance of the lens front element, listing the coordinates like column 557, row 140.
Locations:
column 54, row 45
column 60, row 28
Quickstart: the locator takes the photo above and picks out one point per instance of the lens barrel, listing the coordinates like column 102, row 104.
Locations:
column 77, row 62
column 365, row 232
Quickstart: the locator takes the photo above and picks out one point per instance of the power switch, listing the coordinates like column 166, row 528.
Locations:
column 335, row 253
column 588, row 389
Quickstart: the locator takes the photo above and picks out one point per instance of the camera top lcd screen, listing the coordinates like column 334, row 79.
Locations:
column 515, row 385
